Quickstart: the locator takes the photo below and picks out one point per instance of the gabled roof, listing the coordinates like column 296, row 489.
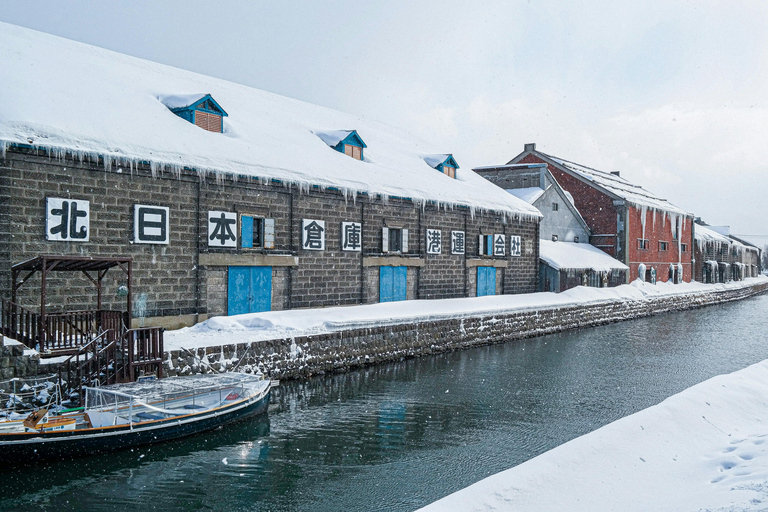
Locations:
column 704, row 234
column 609, row 183
column 436, row 160
column 564, row 255
column 192, row 102
column 57, row 106
column 335, row 137
column 527, row 194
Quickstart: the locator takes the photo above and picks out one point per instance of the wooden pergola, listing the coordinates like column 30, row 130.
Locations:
column 94, row 268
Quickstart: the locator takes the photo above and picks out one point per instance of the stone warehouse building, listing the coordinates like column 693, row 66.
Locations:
column 720, row 257
column 233, row 200
column 645, row 232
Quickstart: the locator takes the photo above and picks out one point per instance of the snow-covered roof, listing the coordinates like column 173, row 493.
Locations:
column 527, row 194
column 705, row 234
column 618, row 186
column 333, row 137
column 562, row 255
column 181, row 100
column 69, row 97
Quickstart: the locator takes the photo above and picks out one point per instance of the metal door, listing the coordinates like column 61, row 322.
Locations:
column 393, row 283
column 486, row 281
column 250, row 290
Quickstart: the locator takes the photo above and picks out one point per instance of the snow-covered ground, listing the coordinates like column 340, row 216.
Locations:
column 226, row 330
column 705, row 449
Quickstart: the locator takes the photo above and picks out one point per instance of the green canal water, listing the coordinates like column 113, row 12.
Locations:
column 397, row 437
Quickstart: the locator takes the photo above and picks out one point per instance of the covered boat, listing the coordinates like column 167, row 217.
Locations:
column 134, row 414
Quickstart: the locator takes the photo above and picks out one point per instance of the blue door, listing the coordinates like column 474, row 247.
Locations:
column 250, row 290
column 393, row 283
column 486, row 281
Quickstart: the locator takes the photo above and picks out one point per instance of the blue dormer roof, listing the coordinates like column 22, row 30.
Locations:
column 440, row 161
column 344, row 141
column 189, row 102
column 335, row 138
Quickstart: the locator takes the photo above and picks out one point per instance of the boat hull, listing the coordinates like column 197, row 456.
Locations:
column 30, row 448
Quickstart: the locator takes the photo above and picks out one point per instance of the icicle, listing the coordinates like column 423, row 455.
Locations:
column 3, row 148
column 643, row 214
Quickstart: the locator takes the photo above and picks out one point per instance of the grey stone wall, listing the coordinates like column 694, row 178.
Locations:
column 171, row 279
column 304, row 356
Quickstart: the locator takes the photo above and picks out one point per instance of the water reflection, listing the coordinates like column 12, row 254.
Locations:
column 398, row 436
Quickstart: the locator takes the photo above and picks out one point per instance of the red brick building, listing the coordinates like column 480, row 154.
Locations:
column 628, row 222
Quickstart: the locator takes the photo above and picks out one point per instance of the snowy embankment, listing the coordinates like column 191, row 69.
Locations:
column 220, row 331
column 703, row 449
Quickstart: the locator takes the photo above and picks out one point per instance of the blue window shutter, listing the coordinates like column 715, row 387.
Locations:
column 489, row 245
column 246, row 231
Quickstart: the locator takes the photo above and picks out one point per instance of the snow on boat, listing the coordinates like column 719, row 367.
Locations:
column 134, row 414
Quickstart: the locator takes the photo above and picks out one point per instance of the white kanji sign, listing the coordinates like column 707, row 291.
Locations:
column 457, row 242
column 351, row 236
column 222, row 229
column 515, row 246
column 499, row 245
column 151, row 224
column 434, row 241
column 67, row 220
column 313, row 234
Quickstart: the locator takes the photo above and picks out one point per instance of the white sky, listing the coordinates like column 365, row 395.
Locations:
column 672, row 94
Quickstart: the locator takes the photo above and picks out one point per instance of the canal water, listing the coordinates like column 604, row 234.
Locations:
column 399, row 436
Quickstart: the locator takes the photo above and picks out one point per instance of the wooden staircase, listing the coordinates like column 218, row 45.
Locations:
column 100, row 349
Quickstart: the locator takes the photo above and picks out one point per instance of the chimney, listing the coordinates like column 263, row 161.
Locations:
column 531, row 146
column 616, row 173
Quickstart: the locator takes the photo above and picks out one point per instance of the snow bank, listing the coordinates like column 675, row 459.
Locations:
column 72, row 98
column 226, row 330
column 703, row 449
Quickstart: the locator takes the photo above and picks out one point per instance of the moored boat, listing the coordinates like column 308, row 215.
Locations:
column 134, row 414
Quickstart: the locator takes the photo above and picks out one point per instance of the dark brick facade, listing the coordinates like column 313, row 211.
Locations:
column 189, row 279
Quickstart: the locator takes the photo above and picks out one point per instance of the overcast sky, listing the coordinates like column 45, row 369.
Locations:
column 672, row 94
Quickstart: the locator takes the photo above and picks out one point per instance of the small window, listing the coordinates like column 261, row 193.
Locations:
column 394, row 240
column 257, row 232
column 353, row 151
column 683, row 247
column 663, row 246
column 449, row 171
column 642, row 244
column 555, row 206
column 485, row 245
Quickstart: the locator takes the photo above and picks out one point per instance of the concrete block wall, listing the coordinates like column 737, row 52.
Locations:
column 304, row 356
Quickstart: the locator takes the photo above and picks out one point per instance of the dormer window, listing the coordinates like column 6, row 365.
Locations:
column 446, row 164
column 344, row 141
column 199, row 109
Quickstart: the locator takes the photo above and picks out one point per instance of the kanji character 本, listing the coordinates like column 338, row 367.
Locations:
column 434, row 241
column 220, row 228
column 457, row 242
column 314, row 234
column 351, row 236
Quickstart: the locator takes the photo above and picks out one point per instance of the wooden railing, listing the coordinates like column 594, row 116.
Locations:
column 145, row 352
column 64, row 332
column 109, row 359
column 19, row 323
column 93, row 364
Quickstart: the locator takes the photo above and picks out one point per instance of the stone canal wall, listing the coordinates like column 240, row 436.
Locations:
column 341, row 351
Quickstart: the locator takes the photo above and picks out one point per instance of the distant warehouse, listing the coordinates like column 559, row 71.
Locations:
column 232, row 200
